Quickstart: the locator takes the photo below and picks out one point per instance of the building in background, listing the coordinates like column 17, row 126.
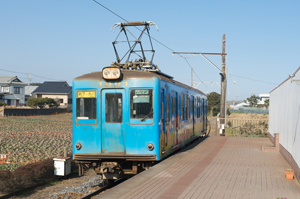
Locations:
column 284, row 119
column 29, row 91
column 60, row 91
column 12, row 90
column 263, row 98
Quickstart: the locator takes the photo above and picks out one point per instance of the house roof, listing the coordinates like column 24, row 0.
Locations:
column 54, row 87
column 11, row 79
column 30, row 89
column 286, row 80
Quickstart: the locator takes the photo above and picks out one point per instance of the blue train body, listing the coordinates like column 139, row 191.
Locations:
column 125, row 125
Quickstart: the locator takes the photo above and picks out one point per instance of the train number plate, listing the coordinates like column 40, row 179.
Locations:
column 86, row 94
column 141, row 92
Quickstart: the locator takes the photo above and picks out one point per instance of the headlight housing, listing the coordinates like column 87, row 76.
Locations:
column 111, row 73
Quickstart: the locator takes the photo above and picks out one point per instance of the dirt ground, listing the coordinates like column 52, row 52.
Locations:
column 44, row 191
column 248, row 116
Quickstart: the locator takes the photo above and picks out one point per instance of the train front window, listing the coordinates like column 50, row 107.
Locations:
column 86, row 105
column 141, row 103
column 113, row 107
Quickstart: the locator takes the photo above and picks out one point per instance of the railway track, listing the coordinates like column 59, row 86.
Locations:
column 102, row 189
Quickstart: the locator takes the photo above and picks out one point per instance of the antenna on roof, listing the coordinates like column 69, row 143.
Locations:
column 142, row 63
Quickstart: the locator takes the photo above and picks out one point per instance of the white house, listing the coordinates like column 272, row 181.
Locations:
column 262, row 98
column 12, row 90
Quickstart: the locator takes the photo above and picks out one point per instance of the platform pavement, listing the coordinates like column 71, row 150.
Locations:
column 216, row 167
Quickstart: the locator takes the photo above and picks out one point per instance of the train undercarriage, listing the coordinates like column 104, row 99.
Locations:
column 113, row 169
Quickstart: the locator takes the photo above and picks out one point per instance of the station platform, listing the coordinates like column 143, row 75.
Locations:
column 214, row 167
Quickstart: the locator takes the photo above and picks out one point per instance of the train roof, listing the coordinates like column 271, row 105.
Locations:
column 134, row 74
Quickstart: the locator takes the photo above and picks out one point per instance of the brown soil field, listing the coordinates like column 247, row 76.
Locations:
column 248, row 116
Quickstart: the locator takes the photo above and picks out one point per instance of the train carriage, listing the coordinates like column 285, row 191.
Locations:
column 124, row 125
column 131, row 115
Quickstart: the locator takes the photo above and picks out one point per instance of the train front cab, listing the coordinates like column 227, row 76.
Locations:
column 116, row 125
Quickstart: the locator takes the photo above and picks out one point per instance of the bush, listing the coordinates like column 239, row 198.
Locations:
column 42, row 102
column 215, row 111
column 26, row 176
column 228, row 112
column 32, row 102
column 2, row 104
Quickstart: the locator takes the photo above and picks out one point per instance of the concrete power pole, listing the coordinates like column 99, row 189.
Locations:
column 192, row 77
column 223, row 90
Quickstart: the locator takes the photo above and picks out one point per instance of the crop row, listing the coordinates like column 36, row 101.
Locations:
column 35, row 138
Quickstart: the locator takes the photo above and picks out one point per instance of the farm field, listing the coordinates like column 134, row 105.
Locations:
column 34, row 138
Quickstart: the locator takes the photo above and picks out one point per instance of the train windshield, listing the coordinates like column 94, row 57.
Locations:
column 86, row 105
column 141, row 103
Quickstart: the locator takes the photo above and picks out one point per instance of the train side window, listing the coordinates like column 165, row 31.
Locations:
column 113, row 107
column 176, row 104
column 179, row 105
column 172, row 105
column 86, row 105
column 185, row 106
column 182, row 106
column 162, row 103
column 198, row 107
column 141, row 103
column 168, row 108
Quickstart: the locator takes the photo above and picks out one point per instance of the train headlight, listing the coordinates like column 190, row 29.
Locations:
column 78, row 146
column 150, row 147
column 111, row 73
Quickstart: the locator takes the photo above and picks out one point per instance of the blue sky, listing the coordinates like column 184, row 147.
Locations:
column 60, row 40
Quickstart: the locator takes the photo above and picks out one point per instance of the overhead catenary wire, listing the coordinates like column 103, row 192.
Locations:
column 169, row 47
column 146, row 34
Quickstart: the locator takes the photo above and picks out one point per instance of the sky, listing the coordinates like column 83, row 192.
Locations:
column 60, row 40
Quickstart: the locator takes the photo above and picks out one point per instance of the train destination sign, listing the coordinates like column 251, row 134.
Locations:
column 142, row 92
column 86, row 94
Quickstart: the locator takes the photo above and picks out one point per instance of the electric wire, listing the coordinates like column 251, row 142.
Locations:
column 228, row 65
column 254, row 79
column 28, row 73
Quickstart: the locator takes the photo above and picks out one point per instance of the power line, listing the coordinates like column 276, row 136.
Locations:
column 27, row 73
column 253, row 79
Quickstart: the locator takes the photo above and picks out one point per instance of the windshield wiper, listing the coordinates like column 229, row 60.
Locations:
column 147, row 116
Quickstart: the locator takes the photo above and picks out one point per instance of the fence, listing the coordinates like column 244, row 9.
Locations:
column 29, row 112
column 246, row 127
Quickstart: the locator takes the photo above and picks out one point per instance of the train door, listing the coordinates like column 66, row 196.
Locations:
column 113, row 124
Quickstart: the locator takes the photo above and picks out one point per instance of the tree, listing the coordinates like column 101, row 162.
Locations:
column 267, row 101
column 32, row 102
column 213, row 103
column 252, row 100
column 42, row 102
column 36, row 84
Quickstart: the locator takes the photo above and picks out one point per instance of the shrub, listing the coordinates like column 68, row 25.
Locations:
column 42, row 102
column 32, row 102
column 2, row 104
column 26, row 176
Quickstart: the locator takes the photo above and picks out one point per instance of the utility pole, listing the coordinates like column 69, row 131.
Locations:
column 223, row 81
column 29, row 74
column 223, row 90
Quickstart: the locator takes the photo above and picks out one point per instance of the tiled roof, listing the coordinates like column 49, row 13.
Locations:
column 10, row 79
column 58, row 87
